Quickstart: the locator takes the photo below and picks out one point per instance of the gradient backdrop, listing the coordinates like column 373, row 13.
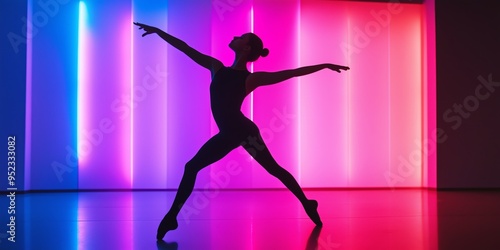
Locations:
column 109, row 109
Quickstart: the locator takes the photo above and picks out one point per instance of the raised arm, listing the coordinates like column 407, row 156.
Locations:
column 203, row 60
column 267, row 78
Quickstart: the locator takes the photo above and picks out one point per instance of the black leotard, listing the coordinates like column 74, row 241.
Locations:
column 227, row 92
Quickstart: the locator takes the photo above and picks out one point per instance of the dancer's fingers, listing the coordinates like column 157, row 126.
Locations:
column 147, row 33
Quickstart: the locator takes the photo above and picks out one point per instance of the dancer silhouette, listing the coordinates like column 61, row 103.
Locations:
column 228, row 89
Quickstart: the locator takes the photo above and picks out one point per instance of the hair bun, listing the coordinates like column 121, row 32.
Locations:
column 264, row 52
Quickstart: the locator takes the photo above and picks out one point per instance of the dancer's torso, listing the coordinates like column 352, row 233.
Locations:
column 227, row 92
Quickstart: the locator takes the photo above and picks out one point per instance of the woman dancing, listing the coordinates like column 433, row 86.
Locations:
column 229, row 87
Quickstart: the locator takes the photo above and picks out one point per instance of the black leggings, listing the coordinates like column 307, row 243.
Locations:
column 246, row 135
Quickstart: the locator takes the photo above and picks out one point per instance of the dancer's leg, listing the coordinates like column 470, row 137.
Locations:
column 261, row 154
column 213, row 150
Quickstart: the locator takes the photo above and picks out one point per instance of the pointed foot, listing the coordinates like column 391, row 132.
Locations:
column 168, row 223
column 311, row 208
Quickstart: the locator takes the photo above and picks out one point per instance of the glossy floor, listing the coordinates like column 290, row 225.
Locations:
column 263, row 219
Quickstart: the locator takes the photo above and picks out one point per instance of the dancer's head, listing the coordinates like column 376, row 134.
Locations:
column 249, row 45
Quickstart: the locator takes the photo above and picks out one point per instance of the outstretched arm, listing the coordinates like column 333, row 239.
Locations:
column 267, row 78
column 203, row 60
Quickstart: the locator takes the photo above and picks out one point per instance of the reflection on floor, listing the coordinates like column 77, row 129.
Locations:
column 263, row 219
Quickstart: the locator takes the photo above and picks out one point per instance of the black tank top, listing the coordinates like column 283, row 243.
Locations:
column 227, row 92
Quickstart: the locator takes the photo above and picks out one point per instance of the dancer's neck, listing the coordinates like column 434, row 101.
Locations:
column 240, row 63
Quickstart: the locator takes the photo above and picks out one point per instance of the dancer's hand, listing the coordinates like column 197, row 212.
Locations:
column 337, row 67
column 147, row 29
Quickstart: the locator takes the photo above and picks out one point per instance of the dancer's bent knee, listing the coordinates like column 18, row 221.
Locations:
column 192, row 167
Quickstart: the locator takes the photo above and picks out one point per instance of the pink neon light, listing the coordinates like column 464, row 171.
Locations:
column 104, row 84
column 252, row 64
column 299, row 103
column 126, row 135
column 429, row 142
column 131, row 69
column 323, row 96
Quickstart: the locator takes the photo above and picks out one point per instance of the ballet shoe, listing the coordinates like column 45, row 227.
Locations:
column 168, row 223
column 311, row 208
column 162, row 245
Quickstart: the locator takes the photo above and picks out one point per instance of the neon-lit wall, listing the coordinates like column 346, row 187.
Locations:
column 136, row 110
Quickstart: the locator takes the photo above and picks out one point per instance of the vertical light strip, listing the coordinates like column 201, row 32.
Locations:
column 429, row 95
column 423, row 107
column 166, row 110
column 299, row 103
column 27, row 146
column 251, row 64
column 348, row 107
column 132, row 96
column 389, row 66
column 82, row 19
column 82, row 61
column 252, row 29
column 131, row 202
